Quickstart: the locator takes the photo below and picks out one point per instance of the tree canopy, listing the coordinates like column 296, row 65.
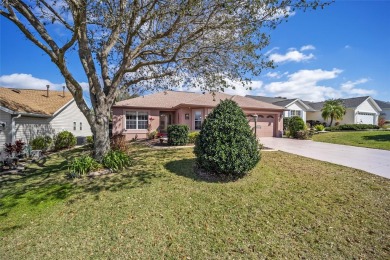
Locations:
column 333, row 109
column 150, row 44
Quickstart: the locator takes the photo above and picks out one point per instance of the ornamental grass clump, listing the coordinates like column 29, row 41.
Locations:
column 226, row 145
column 116, row 160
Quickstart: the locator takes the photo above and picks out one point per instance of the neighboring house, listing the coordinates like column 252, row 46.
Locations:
column 294, row 107
column 28, row 113
column 137, row 116
column 385, row 106
column 359, row 110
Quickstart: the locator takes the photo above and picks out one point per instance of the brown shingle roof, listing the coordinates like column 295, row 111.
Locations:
column 173, row 99
column 33, row 101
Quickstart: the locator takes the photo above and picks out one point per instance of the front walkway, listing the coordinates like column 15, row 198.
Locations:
column 370, row 160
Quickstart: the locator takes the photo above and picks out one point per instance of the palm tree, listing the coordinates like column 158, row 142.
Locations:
column 333, row 109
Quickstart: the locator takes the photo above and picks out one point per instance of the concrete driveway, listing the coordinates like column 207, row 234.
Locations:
column 370, row 160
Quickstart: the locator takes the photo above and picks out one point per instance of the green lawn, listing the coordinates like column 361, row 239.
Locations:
column 287, row 207
column 370, row 139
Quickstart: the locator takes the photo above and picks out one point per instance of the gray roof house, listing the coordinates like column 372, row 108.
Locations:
column 359, row 110
column 385, row 106
column 28, row 113
column 294, row 106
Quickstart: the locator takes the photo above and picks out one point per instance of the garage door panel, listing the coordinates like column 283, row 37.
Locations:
column 265, row 126
column 365, row 118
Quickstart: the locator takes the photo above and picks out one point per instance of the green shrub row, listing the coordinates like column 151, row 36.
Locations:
column 351, row 127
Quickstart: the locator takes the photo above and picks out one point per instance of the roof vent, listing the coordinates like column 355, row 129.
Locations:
column 16, row 91
column 47, row 91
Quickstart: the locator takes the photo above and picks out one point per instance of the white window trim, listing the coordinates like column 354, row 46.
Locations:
column 201, row 119
column 136, row 111
column 300, row 113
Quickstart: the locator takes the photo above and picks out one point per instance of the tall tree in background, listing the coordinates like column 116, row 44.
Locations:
column 333, row 109
column 149, row 44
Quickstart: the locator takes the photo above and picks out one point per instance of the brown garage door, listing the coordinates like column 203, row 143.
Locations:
column 265, row 125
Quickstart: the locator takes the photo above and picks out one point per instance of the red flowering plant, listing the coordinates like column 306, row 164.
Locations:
column 16, row 148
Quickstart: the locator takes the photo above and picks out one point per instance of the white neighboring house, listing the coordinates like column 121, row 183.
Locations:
column 28, row 113
column 385, row 106
column 359, row 110
column 293, row 107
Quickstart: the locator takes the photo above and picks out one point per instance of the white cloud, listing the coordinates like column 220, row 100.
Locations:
column 291, row 55
column 350, row 90
column 304, row 84
column 347, row 46
column 276, row 74
column 307, row 47
column 272, row 74
column 255, row 85
column 28, row 81
column 351, row 84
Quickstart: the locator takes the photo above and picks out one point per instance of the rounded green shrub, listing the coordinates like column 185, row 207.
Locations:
column 226, row 144
column 41, row 143
column 177, row 134
column 64, row 139
column 295, row 124
column 90, row 141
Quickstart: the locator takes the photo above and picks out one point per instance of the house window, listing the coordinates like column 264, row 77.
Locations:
column 81, row 126
column 198, row 120
column 136, row 120
column 296, row 113
column 74, row 126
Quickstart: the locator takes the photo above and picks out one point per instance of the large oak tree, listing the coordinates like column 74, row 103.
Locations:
column 149, row 44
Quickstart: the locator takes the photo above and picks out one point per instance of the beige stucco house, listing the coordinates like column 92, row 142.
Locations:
column 28, row 113
column 136, row 117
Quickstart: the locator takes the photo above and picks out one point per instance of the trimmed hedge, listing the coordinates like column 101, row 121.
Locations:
column 295, row 124
column 226, row 145
column 352, row 127
column 41, row 143
column 177, row 134
column 64, row 140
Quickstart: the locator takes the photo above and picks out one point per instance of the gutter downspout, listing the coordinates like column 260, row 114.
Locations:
column 13, row 128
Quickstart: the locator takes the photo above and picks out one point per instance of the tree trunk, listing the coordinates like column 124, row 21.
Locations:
column 331, row 121
column 100, row 130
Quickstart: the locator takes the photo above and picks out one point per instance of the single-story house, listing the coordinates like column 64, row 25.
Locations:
column 28, row 113
column 359, row 110
column 294, row 106
column 137, row 116
column 385, row 106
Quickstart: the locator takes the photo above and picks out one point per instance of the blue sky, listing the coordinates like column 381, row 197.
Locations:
column 339, row 52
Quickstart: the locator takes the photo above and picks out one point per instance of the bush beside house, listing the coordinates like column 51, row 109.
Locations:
column 177, row 134
column 226, row 144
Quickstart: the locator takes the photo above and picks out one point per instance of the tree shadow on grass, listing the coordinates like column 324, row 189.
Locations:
column 46, row 183
column 378, row 138
column 186, row 168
